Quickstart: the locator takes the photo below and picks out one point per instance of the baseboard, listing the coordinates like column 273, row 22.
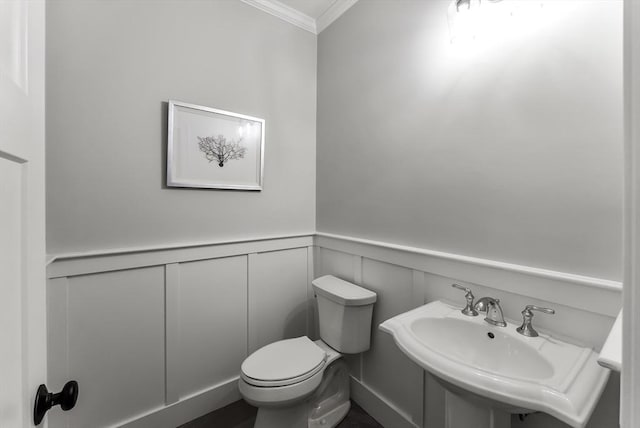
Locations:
column 188, row 408
column 207, row 401
column 378, row 407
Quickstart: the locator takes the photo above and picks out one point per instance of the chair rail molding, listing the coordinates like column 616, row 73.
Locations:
column 81, row 263
column 598, row 295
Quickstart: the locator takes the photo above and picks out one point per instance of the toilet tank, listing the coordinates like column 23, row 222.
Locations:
column 344, row 314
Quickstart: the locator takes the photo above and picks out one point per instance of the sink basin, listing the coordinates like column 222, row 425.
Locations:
column 520, row 374
column 470, row 343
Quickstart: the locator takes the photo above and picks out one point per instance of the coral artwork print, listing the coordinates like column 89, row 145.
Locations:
column 220, row 150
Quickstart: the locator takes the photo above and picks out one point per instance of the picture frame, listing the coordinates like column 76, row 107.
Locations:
column 214, row 149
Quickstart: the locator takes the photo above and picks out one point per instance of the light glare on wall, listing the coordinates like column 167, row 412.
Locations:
column 485, row 21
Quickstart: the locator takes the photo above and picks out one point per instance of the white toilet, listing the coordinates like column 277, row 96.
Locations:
column 298, row 383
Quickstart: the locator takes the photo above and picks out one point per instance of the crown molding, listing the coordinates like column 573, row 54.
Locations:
column 299, row 19
column 284, row 12
column 334, row 12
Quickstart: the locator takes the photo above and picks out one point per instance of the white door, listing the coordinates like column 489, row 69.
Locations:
column 22, row 220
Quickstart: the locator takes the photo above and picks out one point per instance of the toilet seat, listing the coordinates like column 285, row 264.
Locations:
column 283, row 363
column 279, row 395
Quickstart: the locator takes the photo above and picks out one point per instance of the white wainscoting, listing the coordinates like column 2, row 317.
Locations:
column 155, row 337
column 395, row 390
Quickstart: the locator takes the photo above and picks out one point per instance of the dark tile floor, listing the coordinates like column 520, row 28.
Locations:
column 358, row 418
column 242, row 415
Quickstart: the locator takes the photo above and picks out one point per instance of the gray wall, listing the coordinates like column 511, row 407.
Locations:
column 111, row 67
column 510, row 150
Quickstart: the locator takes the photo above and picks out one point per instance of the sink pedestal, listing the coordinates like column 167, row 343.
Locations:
column 460, row 412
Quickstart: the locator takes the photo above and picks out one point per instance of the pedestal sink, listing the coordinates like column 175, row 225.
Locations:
column 497, row 369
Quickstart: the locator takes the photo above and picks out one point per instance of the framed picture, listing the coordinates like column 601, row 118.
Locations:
column 213, row 148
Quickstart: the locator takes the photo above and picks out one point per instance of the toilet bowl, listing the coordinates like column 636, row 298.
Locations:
column 301, row 383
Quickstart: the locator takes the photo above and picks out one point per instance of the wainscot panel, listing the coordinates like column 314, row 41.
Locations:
column 597, row 295
column 385, row 369
column 406, row 277
column 147, row 332
column 212, row 322
column 277, row 296
column 114, row 345
column 155, row 336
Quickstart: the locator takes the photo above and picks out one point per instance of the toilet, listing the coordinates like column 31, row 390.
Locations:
column 300, row 383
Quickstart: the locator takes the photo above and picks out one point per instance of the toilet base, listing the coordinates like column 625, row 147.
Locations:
column 325, row 408
column 331, row 418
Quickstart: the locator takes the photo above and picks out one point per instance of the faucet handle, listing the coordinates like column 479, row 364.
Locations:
column 461, row 287
column 539, row 309
column 526, row 329
column 468, row 310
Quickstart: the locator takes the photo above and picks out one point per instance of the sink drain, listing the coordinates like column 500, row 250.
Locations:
column 491, row 335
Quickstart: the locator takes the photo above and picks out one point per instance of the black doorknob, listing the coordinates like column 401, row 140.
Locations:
column 45, row 400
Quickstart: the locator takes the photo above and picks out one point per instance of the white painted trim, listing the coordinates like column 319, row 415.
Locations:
column 311, row 324
column 590, row 294
column 162, row 247
column 357, row 270
column 334, row 12
column 418, row 286
column 299, row 19
column 611, row 353
column 190, row 407
column 253, row 339
column 599, row 296
column 527, row 270
column 172, row 375
column 378, row 407
column 131, row 258
column 284, row 12
column 538, row 283
column 57, row 344
column 630, row 386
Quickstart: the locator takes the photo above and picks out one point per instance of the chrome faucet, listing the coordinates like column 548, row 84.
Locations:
column 491, row 307
column 469, row 309
column 526, row 329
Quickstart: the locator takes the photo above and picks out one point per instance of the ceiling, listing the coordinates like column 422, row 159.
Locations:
column 311, row 15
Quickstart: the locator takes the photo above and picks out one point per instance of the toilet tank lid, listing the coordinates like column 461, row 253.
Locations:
column 343, row 292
